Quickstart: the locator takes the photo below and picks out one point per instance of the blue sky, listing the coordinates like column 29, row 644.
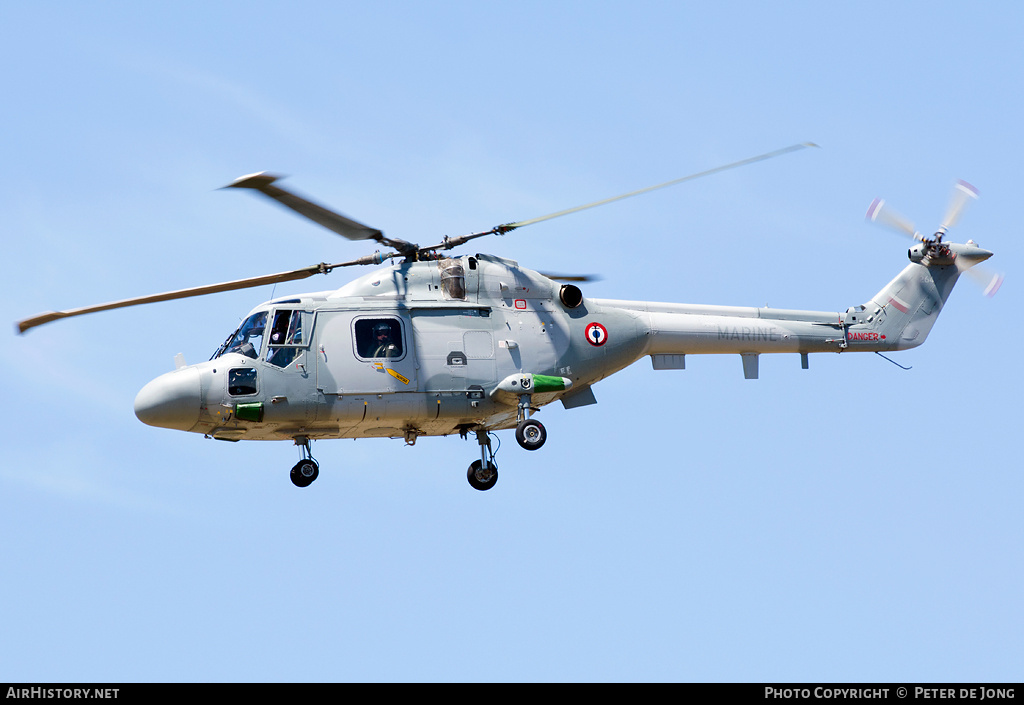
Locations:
column 850, row 522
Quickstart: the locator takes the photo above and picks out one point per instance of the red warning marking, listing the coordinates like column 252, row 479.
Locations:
column 899, row 303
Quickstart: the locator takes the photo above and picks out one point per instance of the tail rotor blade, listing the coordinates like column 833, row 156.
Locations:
column 988, row 280
column 882, row 214
column 963, row 193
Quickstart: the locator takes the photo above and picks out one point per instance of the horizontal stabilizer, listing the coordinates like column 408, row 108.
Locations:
column 582, row 396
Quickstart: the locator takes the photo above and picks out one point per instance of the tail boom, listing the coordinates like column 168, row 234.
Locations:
column 898, row 317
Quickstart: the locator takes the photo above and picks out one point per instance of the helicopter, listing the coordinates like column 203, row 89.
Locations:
column 437, row 344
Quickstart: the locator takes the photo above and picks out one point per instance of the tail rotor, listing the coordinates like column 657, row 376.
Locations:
column 933, row 250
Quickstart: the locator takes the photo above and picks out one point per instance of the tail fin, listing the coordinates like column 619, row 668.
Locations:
column 905, row 310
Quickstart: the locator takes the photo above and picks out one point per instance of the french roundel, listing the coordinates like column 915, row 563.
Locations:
column 597, row 335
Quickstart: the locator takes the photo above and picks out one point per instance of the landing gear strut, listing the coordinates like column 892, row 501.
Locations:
column 483, row 473
column 307, row 469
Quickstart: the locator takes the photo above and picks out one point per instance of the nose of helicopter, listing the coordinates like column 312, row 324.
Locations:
column 171, row 400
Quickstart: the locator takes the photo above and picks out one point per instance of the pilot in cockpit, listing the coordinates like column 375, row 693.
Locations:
column 383, row 345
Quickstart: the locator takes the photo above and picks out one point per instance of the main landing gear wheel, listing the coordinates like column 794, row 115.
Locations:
column 483, row 473
column 531, row 434
column 304, row 472
column 482, row 478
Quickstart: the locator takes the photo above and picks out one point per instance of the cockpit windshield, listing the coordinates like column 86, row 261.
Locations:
column 248, row 339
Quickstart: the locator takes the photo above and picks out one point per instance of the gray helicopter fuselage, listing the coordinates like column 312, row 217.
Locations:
column 454, row 338
column 458, row 332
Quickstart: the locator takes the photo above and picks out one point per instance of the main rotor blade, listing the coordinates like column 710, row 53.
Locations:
column 571, row 277
column 673, row 182
column 333, row 221
column 963, row 193
column 197, row 291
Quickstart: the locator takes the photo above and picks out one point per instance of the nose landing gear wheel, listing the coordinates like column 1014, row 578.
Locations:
column 482, row 478
column 531, row 434
column 304, row 472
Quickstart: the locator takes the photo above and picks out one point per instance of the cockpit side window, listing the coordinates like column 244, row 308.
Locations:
column 286, row 338
column 378, row 338
column 248, row 339
column 242, row 381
